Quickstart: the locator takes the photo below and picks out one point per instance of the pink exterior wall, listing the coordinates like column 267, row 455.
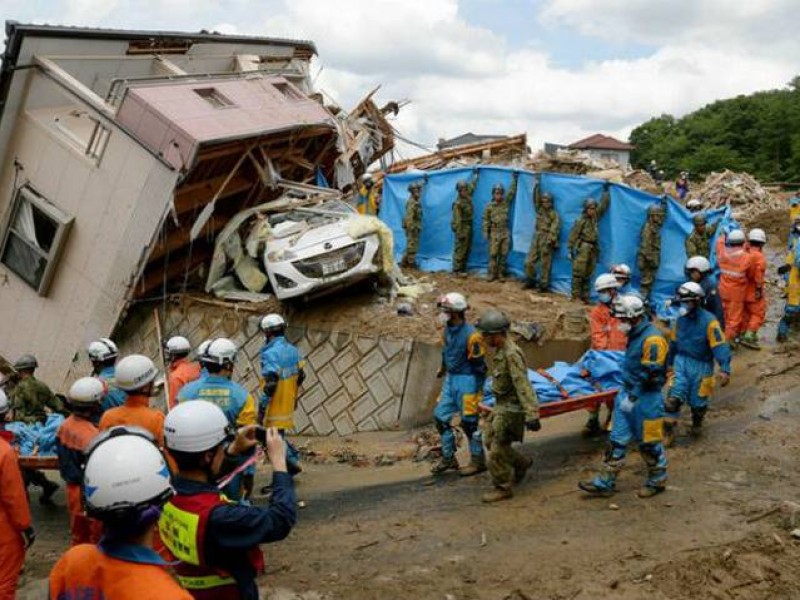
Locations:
column 173, row 113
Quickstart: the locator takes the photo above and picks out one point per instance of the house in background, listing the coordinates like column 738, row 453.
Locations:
column 123, row 153
column 605, row 147
column 467, row 139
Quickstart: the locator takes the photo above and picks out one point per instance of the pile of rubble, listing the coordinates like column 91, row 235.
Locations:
column 573, row 162
column 511, row 151
column 741, row 191
column 641, row 180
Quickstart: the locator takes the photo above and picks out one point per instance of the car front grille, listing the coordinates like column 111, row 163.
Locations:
column 332, row 263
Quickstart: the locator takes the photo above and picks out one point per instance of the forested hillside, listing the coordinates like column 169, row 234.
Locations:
column 759, row 134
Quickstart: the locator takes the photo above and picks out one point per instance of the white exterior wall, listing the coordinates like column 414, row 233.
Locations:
column 117, row 207
column 623, row 157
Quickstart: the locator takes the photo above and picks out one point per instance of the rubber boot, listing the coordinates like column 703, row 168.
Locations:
column 48, row 489
column 670, row 433
column 649, row 491
column 522, row 468
column 750, row 340
column 592, row 488
column 498, row 494
column 592, row 427
column 446, row 464
column 698, row 414
column 476, row 465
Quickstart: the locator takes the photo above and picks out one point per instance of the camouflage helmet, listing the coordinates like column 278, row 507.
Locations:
column 498, row 187
column 699, row 219
column 547, row 196
column 589, row 203
column 461, row 185
column 414, row 185
column 493, row 321
column 655, row 209
column 26, row 362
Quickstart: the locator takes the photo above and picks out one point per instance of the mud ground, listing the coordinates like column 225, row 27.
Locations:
column 722, row 530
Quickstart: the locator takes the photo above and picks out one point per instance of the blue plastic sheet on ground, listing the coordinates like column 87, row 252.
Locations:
column 620, row 228
column 39, row 435
column 604, row 368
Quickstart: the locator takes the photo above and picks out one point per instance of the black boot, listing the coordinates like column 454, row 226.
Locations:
column 698, row 414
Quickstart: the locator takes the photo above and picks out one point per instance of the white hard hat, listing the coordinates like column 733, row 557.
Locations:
column 271, row 322
column 201, row 349
column 736, row 237
column 124, row 471
column 694, row 203
column 4, row 405
column 134, row 372
column 757, row 235
column 453, row 302
column 195, row 426
column 102, row 350
column 219, row 352
column 621, row 270
column 178, row 345
column 699, row 263
column 628, row 306
column 606, row 281
column 691, row 291
column 86, row 391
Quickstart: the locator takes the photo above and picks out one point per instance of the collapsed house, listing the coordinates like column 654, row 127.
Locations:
column 124, row 155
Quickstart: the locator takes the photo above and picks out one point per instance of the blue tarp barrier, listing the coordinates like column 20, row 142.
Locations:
column 604, row 368
column 41, row 435
column 620, row 228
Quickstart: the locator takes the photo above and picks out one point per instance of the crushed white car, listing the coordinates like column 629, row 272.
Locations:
column 300, row 246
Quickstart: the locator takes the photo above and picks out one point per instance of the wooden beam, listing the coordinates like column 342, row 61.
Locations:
column 196, row 195
column 175, row 240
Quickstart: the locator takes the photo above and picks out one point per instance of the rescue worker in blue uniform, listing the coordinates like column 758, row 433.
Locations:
column 282, row 375
column 698, row 269
column 791, row 270
column 235, row 401
column 216, row 542
column 697, row 340
column 104, row 353
column 464, row 370
column 638, row 407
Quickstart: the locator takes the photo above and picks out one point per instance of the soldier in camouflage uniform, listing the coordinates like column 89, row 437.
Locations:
column 29, row 399
column 649, row 257
column 583, row 244
column 699, row 241
column 516, row 406
column 412, row 223
column 462, row 222
column 496, row 227
column 544, row 243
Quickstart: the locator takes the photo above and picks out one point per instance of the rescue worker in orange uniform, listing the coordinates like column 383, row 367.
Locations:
column 135, row 375
column 126, row 483
column 181, row 369
column 755, row 304
column 73, row 438
column 606, row 334
column 217, row 542
column 734, row 263
column 16, row 532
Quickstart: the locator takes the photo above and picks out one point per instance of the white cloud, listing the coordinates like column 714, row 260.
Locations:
column 461, row 76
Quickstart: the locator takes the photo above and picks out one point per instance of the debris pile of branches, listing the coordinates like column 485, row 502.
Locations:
column 741, row 191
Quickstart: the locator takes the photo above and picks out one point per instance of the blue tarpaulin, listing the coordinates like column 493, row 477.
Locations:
column 620, row 227
column 39, row 435
column 597, row 370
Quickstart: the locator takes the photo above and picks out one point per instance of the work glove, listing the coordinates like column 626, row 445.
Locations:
column 533, row 424
column 28, row 537
column 784, row 269
column 626, row 406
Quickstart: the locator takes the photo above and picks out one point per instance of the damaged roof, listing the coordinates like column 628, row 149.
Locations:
column 598, row 141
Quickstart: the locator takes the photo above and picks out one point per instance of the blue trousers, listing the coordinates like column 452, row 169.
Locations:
column 460, row 395
column 693, row 384
column 644, row 425
column 791, row 315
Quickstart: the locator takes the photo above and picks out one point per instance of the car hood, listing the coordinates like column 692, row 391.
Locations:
column 317, row 236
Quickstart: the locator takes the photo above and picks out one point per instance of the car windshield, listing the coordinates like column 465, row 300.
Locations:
column 315, row 219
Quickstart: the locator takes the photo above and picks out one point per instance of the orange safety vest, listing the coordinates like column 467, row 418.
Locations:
column 606, row 334
column 755, row 274
column 136, row 411
column 182, row 529
column 181, row 372
column 734, row 262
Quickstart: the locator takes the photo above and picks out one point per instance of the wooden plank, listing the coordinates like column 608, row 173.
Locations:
column 180, row 238
column 196, row 195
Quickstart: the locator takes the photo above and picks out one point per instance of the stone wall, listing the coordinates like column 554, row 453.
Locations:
column 353, row 382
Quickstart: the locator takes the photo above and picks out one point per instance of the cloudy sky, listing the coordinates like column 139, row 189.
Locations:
column 556, row 69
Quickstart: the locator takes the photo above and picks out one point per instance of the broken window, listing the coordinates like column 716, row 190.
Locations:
column 34, row 239
column 213, row 97
column 288, row 91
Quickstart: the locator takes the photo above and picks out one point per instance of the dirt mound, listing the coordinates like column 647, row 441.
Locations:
column 760, row 567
